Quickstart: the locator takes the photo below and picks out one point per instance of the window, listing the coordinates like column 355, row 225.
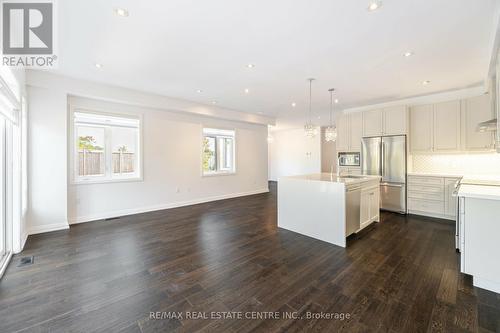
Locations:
column 107, row 148
column 218, row 151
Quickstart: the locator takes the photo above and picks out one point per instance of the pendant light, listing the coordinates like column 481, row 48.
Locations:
column 331, row 131
column 309, row 128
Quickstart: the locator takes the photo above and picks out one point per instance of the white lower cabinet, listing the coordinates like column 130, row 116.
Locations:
column 370, row 206
column 350, row 171
column 451, row 203
column 432, row 196
column 479, row 229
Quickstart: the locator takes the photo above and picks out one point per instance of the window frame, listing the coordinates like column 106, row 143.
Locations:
column 108, row 154
column 218, row 162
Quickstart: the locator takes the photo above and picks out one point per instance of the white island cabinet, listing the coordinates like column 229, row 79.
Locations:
column 326, row 206
column 479, row 230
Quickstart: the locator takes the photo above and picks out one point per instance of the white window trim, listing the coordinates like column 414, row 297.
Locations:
column 73, row 179
column 219, row 172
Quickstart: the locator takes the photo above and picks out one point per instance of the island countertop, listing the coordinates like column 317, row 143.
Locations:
column 334, row 178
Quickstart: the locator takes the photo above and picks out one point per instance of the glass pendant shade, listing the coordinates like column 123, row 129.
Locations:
column 331, row 131
column 330, row 134
column 310, row 130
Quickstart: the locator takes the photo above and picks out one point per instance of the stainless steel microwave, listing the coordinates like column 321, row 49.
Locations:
column 349, row 159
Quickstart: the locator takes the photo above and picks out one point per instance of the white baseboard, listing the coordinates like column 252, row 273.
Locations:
column 39, row 229
column 486, row 284
column 4, row 263
column 24, row 238
column 139, row 210
column 438, row 216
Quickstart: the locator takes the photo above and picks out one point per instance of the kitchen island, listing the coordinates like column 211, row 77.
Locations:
column 478, row 230
column 328, row 207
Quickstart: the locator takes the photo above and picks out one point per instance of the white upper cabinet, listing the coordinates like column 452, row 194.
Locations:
column 372, row 123
column 349, row 132
column 447, row 126
column 475, row 111
column 356, row 125
column 421, row 120
column 342, row 123
column 388, row 121
column 451, row 126
column 395, row 120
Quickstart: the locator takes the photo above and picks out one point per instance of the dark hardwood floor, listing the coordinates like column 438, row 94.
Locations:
column 399, row 276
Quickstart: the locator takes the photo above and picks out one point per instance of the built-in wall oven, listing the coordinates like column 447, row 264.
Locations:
column 349, row 159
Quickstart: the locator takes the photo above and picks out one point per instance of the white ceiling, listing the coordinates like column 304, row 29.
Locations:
column 176, row 47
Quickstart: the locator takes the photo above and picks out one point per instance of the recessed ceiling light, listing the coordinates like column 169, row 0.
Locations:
column 121, row 12
column 214, row 102
column 199, row 91
column 98, row 65
column 374, row 5
column 294, row 104
column 250, row 65
column 426, row 82
column 408, row 54
column 247, row 91
column 336, row 101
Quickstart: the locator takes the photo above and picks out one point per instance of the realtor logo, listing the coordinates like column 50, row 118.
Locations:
column 28, row 34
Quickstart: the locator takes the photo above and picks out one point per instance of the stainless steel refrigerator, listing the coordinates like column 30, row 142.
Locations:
column 386, row 156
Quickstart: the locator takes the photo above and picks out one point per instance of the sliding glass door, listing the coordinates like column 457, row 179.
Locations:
column 3, row 192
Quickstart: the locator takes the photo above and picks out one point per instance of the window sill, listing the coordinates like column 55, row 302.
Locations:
column 215, row 174
column 106, row 181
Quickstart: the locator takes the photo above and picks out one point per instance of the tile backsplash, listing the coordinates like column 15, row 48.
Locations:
column 461, row 164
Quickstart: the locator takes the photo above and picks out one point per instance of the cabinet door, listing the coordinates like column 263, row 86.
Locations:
column 421, row 118
column 356, row 132
column 342, row 122
column 395, row 120
column 372, row 123
column 447, row 126
column 450, row 201
column 343, row 171
column 365, row 208
column 355, row 171
column 477, row 110
column 374, row 204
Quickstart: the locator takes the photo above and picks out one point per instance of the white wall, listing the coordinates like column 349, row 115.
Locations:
column 172, row 155
column 172, row 166
column 47, row 160
column 292, row 153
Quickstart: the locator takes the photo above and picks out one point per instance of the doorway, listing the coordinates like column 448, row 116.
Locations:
column 4, row 241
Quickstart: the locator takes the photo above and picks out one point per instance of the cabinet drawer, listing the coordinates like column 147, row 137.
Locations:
column 435, row 207
column 355, row 171
column 436, row 196
column 425, row 188
column 425, row 180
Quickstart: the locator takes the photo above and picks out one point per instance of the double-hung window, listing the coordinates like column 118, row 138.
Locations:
column 218, row 154
column 106, row 147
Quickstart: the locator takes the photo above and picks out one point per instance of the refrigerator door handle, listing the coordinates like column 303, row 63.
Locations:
column 391, row 184
column 382, row 158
